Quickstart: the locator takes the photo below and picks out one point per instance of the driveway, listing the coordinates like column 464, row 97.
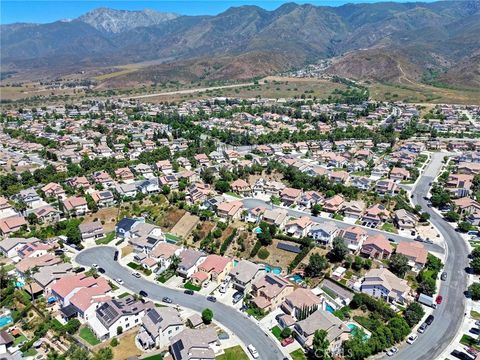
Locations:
column 245, row 328
column 449, row 315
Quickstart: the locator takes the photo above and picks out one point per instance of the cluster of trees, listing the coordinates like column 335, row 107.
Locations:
column 427, row 277
column 475, row 260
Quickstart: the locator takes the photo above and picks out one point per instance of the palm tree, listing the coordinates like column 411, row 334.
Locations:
column 174, row 261
column 28, row 277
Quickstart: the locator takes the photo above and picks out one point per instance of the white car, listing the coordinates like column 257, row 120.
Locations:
column 136, row 274
column 392, row 351
column 120, row 281
column 95, row 266
column 253, row 351
column 206, row 283
column 412, row 338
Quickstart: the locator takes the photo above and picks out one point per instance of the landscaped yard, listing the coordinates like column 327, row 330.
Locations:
column 469, row 341
column 88, row 335
column 125, row 294
column 107, row 239
column 475, row 315
column 233, row 353
column 165, row 276
column 30, row 352
column 190, row 286
column 298, row 355
column 154, row 357
column 389, row 228
column 276, row 331
column 133, row 265
column 19, row 339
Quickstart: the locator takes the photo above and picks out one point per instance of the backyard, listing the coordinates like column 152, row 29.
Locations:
column 88, row 335
column 233, row 353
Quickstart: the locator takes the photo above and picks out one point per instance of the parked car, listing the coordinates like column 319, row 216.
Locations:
column 253, row 351
column 101, row 270
column 443, row 276
column 120, row 281
column 212, row 298
column 460, row 355
column 287, row 341
column 237, row 297
column 188, row 292
column 167, row 300
column 422, row 328
column 475, row 331
column 205, row 283
column 429, row 320
column 477, row 323
column 143, row 293
column 79, row 270
column 115, row 256
column 392, row 351
column 412, row 338
column 439, row 299
column 136, row 274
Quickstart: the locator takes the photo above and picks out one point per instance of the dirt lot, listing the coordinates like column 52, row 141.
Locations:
column 277, row 257
column 316, row 250
column 108, row 217
column 185, row 225
column 127, row 250
column 126, row 346
column 171, row 218
column 275, row 176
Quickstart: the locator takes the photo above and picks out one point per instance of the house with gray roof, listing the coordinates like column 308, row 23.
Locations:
column 9, row 247
column 91, row 231
column 159, row 326
column 194, row 344
column 244, row 274
column 190, row 260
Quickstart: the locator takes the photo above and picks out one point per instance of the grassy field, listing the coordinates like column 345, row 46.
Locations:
column 233, row 353
column 420, row 93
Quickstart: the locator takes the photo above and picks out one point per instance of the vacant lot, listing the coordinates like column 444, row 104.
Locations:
column 185, row 225
column 171, row 218
column 277, row 257
column 108, row 217
column 126, row 346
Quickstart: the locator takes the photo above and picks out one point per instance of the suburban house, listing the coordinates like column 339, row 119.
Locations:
column 164, row 166
column 190, row 260
column 323, row 233
column 333, row 204
column 376, row 247
column 127, row 190
column 162, row 253
column 216, row 267
column 404, row 219
column 244, row 274
column 277, row 217
column 353, row 209
column 386, row 187
column 9, row 247
column 125, row 226
column 54, row 190
column 195, row 344
column 103, row 178
column 149, row 186
column 76, row 205
column 46, row 214
column 290, row 196
column 230, row 210
column 11, row 225
column 299, row 300
column 383, row 284
column 375, row 215
column 240, row 186
column 159, row 326
column 300, row 227
column 103, row 198
column 460, row 185
column 122, row 313
column 144, row 237
column 399, row 174
column 353, row 236
column 169, row 180
column 254, row 215
column 91, row 231
column 125, row 175
column 310, row 198
column 466, row 205
column 270, row 291
column 6, row 210
column 415, row 252
column 337, row 330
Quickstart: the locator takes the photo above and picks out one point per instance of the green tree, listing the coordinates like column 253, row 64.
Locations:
column 321, row 344
column 316, row 209
column 72, row 326
column 316, row 264
column 413, row 313
column 339, row 250
column 286, row 332
column 207, row 316
column 452, row 216
column 474, row 291
column 475, row 265
column 465, row 226
column 398, row 265
column 119, row 330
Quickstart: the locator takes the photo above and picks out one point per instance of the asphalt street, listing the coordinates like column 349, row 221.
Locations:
column 449, row 315
column 251, row 203
column 246, row 329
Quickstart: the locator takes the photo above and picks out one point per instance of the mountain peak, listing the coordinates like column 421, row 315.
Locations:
column 117, row 21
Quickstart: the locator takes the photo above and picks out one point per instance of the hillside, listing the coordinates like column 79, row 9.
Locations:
column 383, row 41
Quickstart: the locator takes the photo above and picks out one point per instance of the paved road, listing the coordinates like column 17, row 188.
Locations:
column 246, row 329
column 251, row 203
column 449, row 315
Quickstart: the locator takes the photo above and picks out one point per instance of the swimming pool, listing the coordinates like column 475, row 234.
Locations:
column 257, row 230
column 354, row 330
column 296, row 278
column 330, row 309
column 274, row 270
column 235, row 263
column 19, row 284
column 5, row 320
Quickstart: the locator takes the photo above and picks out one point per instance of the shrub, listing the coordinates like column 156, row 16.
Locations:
column 114, row 342
column 207, row 316
column 263, row 253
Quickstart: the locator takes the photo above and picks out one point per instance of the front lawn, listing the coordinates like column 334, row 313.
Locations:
column 154, row 357
column 233, row 194
column 133, row 265
column 19, row 339
column 475, row 314
column 298, row 355
column 88, row 335
column 124, row 295
column 165, row 276
column 107, row 239
column 469, row 341
column 276, row 331
column 389, row 228
column 29, row 352
column 190, row 286
column 233, row 353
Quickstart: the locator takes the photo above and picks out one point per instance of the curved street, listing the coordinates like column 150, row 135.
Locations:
column 246, row 329
column 449, row 315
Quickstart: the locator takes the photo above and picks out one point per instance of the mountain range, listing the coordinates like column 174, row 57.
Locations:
column 377, row 41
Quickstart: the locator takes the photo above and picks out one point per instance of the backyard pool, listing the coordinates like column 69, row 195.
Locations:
column 257, row 230
column 235, row 263
column 19, row 284
column 5, row 320
column 354, row 330
column 296, row 278
column 274, row 270
column 330, row 309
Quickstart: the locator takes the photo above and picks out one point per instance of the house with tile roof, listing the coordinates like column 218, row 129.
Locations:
column 376, row 247
column 269, row 291
column 415, row 252
column 383, row 284
column 300, row 227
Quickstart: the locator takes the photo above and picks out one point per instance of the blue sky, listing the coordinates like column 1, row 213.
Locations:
column 48, row 11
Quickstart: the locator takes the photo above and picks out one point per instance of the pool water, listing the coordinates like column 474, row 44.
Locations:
column 5, row 320
column 354, row 329
column 235, row 263
column 330, row 309
column 275, row 270
column 19, row 284
column 257, row 230
column 296, row 278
